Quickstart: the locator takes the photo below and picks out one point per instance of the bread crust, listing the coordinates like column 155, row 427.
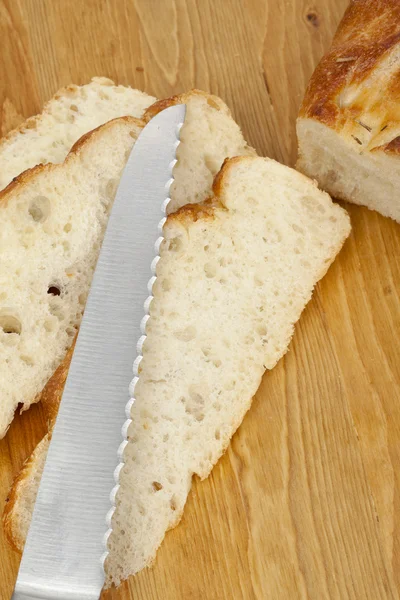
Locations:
column 367, row 36
column 160, row 105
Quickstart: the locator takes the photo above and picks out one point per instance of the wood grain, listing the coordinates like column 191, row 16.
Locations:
column 306, row 502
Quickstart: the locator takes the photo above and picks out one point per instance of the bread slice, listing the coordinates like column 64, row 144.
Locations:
column 234, row 276
column 52, row 221
column 72, row 112
column 349, row 123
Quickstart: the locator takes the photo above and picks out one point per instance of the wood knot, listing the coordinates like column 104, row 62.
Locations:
column 313, row 18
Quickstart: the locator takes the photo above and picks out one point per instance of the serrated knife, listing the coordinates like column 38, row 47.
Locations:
column 64, row 550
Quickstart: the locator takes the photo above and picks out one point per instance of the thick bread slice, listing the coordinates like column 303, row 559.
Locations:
column 234, row 275
column 208, row 137
column 52, row 220
column 349, row 123
column 71, row 113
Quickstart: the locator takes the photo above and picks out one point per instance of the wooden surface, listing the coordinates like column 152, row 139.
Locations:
column 306, row 501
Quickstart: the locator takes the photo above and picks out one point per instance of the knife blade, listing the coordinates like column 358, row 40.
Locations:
column 63, row 552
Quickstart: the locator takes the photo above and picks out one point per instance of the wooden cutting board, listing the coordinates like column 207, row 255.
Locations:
column 306, row 501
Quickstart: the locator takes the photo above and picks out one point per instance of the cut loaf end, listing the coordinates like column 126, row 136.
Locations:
column 366, row 178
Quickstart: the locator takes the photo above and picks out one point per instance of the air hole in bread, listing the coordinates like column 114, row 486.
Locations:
column 217, row 363
column 262, row 330
column 217, row 434
column 39, row 209
column 28, row 360
column 297, row 228
column 54, row 290
column 67, row 227
column 173, row 503
column 210, row 270
column 186, row 335
column 10, row 324
column 166, row 285
column 175, row 244
column 74, row 108
column 194, row 405
column 165, row 437
column 156, row 486
column 50, row 324
column 56, row 310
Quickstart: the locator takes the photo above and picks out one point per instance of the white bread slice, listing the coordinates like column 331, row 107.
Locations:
column 349, row 123
column 52, row 220
column 235, row 274
column 72, row 112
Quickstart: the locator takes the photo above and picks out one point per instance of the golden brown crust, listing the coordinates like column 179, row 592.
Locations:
column 368, row 35
column 206, row 210
column 160, row 105
column 53, row 390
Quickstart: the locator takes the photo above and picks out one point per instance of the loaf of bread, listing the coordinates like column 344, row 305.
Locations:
column 72, row 112
column 349, row 123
